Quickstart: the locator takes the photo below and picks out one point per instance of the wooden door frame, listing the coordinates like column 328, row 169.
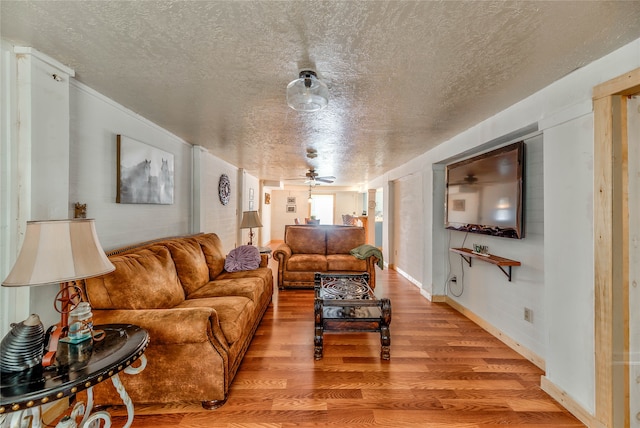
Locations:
column 611, row 250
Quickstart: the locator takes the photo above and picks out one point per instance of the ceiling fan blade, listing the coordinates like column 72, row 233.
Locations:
column 325, row 179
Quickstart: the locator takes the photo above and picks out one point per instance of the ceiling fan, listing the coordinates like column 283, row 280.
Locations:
column 313, row 178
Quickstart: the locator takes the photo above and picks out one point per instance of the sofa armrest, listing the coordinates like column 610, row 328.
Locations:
column 372, row 262
column 170, row 326
column 282, row 254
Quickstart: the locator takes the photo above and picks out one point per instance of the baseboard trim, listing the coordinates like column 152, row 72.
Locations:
column 568, row 403
column 511, row 343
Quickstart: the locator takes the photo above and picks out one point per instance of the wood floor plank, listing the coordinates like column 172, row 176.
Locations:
column 445, row 371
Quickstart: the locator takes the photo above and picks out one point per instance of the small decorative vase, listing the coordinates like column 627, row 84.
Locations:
column 23, row 346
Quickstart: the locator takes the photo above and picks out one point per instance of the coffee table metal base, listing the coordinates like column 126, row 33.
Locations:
column 345, row 303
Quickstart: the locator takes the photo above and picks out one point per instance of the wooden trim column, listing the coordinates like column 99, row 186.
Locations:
column 611, row 258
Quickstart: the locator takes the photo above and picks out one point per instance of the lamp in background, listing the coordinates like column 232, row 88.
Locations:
column 307, row 93
column 250, row 219
column 59, row 251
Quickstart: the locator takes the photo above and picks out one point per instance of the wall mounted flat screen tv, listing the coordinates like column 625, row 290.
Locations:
column 485, row 193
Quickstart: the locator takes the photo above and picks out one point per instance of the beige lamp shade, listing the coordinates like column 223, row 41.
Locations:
column 57, row 251
column 250, row 219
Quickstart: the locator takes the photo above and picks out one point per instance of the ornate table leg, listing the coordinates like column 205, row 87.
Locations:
column 385, row 333
column 319, row 331
column 22, row 418
column 123, row 393
column 93, row 420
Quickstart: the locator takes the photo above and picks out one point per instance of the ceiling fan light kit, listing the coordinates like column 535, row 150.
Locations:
column 307, row 93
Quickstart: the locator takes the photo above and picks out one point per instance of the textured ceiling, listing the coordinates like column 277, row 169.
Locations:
column 403, row 76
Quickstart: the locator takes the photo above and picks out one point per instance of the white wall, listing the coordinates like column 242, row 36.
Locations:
column 557, row 272
column 409, row 226
column 485, row 290
column 24, row 78
column 346, row 202
column 265, row 214
column 35, row 153
column 280, row 217
column 13, row 307
column 213, row 216
column 95, row 123
column 568, row 166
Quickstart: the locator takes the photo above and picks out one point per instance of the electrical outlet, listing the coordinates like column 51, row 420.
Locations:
column 454, row 279
column 528, row 315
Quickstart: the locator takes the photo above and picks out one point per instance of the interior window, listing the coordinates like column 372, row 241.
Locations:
column 322, row 208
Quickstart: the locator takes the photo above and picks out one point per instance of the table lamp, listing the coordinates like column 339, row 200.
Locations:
column 250, row 219
column 59, row 251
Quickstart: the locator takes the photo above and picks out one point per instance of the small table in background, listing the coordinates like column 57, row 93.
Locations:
column 265, row 250
column 346, row 303
column 79, row 367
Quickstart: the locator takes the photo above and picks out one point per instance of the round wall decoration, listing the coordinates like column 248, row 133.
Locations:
column 224, row 189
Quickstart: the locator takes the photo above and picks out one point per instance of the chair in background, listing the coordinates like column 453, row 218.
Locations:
column 296, row 220
column 348, row 220
column 351, row 220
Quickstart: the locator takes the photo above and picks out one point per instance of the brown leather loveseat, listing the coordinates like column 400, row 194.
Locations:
column 200, row 318
column 309, row 249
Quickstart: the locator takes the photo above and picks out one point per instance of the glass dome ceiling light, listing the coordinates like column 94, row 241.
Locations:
column 307, row 93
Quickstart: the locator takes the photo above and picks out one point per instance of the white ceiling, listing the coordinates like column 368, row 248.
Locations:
column 403, row 76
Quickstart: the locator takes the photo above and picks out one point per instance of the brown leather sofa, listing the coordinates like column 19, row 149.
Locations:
column 309, row 249
column 200, row 318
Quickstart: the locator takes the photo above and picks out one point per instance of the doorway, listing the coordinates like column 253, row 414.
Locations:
column 633, row 356
column 614, row 233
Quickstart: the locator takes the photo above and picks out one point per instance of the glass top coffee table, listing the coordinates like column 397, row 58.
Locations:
column 346, row 303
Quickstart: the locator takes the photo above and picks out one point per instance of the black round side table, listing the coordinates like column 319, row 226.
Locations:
column 79, row 367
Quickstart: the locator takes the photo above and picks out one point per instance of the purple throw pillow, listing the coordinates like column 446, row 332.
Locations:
column 245, row 257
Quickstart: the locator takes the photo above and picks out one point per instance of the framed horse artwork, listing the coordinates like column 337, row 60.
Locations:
column 145, row 173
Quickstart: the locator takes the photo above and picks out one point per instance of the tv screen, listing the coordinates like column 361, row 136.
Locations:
column 485, row 193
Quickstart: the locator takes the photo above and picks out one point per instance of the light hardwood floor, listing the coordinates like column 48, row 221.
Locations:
column 444, row 371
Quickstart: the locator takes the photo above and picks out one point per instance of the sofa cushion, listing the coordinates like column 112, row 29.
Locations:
column 307, row 262
column 236, row 314
column 306, row 239
column 250, row 287
column 213, row 253
column 341, row 240
column 264, row 273
column 190, row 263
column 145, row 279
column 346, row 262
column 244, row 257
